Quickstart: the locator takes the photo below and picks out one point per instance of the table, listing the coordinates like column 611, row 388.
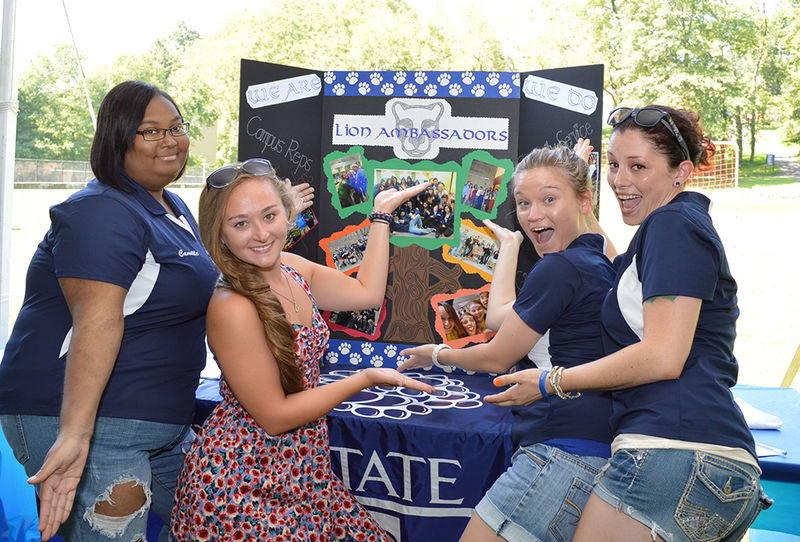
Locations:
column 781, row 473
column 418, row 463
column 420, row 466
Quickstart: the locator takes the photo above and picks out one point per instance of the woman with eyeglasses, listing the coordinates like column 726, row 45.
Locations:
column 683, row 463
column 260, row 468
column 98, row 378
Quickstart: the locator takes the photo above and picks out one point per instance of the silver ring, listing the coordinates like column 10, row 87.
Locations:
column 302, row 199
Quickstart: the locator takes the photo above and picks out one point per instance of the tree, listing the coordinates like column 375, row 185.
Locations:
column 784, row 74
column 54, row 121
column 704, row 55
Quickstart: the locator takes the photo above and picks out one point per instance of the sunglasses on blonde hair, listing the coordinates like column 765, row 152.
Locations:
column 222, row 177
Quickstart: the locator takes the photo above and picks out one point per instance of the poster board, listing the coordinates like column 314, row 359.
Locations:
column 351, row 134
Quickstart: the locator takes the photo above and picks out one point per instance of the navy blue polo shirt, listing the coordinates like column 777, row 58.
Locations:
column 678, row 252
column 564, row 293
column 128, row 239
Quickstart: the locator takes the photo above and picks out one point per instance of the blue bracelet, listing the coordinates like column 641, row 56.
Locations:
column 542, row 380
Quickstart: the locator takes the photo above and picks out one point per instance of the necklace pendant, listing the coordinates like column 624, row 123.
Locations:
column 296, row 307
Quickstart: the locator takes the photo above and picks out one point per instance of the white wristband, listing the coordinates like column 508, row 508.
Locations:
column 435, row 355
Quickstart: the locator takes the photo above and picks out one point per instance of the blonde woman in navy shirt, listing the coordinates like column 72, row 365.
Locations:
column 561, row 445
column 683, row 463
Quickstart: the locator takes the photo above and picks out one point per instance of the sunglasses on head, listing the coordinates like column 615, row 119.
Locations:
column 647, row 117
column 225, row 175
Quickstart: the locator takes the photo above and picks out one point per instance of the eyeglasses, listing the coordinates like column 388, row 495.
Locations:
column 647, row 117
column 225, row 175
column 157, row 134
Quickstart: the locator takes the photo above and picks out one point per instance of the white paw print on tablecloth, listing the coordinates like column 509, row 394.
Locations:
column 400, row 77
column 367, row 348
column 352, row 77
column 468, row 78
column 332, row 357
column 444, row 79
column 338, row 89
column 377, row 361
column 430, row 89
column 330, row 77
column 344, row 348
column 478, row 90
column 515, row 79
column 387, row 88
column 375, row 78
column 363, row 88
column 504, row 89
column 355, row 358
column 390, row 351
column 493, row 78
column 420, row 77
column 410, row 89
column 455, row 89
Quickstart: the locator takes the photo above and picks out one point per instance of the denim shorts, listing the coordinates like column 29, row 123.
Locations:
column 541, row 495
column 122, row 450
column 683, row 495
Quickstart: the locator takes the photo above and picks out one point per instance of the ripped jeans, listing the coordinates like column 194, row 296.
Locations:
column 127, row 452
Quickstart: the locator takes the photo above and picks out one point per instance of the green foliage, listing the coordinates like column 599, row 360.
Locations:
column 54, row 120
column 733, row 64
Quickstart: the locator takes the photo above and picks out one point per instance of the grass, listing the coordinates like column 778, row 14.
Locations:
column 758, row 173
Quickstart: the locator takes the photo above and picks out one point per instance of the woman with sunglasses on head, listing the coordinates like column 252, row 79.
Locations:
column 561, row 446
column 684, row 465
column 98, row 379
column 260, row 468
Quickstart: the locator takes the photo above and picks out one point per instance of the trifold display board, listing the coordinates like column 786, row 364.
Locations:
column 351, row 134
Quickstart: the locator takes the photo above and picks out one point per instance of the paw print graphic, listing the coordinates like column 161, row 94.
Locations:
column 367, row 348
column 332, row 357
column 455, row 89
column 363, row 88
column 387, row 88
column 504, row 89
column 338, row 89
column 376, row 361
column 352, row 77
column 478, row 90
column 515, row 79
column 444, row 79
column 400, row 360
column 330, row 77
column 420, row 77
column 400, row 77
column 355, row 358
column 344, row 348
column 468, row 78
column 430, row 89
column 375, row 78
column 410, row 89
column 390, row 351
column 493, row 78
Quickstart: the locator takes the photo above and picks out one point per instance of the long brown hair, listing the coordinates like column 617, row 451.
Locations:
column 245, row 279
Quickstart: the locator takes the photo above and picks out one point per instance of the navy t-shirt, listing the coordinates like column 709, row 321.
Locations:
column 101, row 233
column 564, row 293
column 677, row 252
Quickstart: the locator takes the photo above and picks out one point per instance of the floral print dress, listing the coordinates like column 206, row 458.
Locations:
column 239, row 483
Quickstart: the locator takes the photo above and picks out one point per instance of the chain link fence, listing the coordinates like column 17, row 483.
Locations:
column 29, row 173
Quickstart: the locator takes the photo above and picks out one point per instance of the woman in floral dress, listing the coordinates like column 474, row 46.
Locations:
column 260, row 469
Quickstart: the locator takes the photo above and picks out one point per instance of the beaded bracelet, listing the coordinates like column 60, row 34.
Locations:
column 542, row 378
column 435, row 355
column 380, row 217
column 555, row 381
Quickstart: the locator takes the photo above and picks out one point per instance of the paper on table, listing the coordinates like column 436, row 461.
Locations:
column 757, row 419
column 762, row 450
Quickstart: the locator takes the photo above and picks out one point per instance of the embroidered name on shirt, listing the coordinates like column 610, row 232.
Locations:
column 183, row 253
